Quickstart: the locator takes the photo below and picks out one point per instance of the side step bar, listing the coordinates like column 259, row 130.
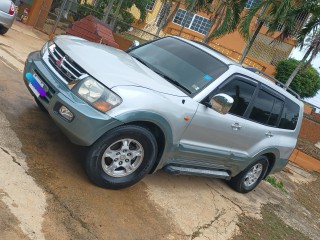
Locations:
column 176, row 170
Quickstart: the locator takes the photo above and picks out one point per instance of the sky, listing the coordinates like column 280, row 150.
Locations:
column 297, row 54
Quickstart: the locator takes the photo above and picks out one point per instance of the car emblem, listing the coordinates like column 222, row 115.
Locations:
column 59, row 62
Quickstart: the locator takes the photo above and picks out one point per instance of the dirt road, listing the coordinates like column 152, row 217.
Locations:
column 45, row 193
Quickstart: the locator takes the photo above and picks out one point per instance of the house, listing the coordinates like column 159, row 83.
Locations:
column 264, row 54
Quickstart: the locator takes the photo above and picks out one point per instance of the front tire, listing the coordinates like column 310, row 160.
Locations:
column 249, row 178
column 42, row 108
column 3, row 30
column 122, row 157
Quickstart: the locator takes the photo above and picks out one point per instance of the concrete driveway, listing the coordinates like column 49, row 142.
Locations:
column 45, row 193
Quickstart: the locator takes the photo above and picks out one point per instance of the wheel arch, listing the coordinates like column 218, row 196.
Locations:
column 158, row 125
column 272, row 154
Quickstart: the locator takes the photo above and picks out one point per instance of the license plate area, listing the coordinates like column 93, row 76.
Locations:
column 40, row 82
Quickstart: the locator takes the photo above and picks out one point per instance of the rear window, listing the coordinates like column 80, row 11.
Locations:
column 290, row 115
column 266, row 109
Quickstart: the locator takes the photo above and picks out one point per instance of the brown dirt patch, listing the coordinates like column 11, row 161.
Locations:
column 308, row 196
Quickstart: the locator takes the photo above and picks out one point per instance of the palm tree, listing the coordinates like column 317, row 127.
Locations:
column 114, row 20
column 225, row 18
column 163, row 15
column 108, row 10
column 166, row 19
column 310, row 36
column 271, row 13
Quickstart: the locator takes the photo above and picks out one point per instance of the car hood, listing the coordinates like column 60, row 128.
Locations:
column 113, row 67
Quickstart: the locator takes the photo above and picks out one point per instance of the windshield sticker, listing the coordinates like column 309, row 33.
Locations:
column 195, row 87
column 207, row 77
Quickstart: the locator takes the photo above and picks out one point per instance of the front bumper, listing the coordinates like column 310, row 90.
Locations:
column 88, row 124
column 6, row 20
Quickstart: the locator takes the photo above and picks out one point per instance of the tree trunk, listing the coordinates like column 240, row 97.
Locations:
column 252, row 39
column 206, row 37
column 218, row 16
column 165, row 17
column 300, row 65
column 114, row 20
column 173, row 13
column 108, row 10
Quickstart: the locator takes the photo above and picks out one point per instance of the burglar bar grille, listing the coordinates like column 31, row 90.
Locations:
column 65, row 65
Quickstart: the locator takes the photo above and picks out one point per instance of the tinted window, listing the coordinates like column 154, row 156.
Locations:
column 266, row 109
column 241, row 92
column 290, row 115
column 188, row 65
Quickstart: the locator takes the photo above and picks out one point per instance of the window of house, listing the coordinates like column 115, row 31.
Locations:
column 241, row 92
column 192, row 21
column 150, row 5
column 251, row 3
column 266, row 109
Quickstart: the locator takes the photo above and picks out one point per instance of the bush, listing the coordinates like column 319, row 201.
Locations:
column 307, row 81
column 85, row 9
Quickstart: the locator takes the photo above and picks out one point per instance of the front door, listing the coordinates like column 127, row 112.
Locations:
column 222, row 141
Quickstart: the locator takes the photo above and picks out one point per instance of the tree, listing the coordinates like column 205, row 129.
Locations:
column 309, row 36
column 166, row 19
column 108, row 10
column 271, row 13
column 111, row 9
column 225, row 18
column 163, row 15
column 307, row 81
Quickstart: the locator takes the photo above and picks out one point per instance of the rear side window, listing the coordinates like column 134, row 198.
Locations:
column 241, row 92
column 266, row 109
column 290, row 115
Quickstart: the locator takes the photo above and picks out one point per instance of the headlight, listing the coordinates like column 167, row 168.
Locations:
column 97, row 95
column 45, row 47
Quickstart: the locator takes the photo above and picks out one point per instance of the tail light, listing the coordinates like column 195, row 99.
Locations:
column 11, row 11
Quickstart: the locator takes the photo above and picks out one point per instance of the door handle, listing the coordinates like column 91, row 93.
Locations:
column 269, row 134
column 236, row 126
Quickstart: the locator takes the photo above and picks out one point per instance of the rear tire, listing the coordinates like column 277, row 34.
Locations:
column 122, row 157
column 249, row 178
column 3, row 30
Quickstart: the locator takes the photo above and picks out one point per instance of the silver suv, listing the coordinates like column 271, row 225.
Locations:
column 170, row 104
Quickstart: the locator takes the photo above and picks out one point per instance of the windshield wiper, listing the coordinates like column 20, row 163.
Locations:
column 169, row 79
column 143, row 62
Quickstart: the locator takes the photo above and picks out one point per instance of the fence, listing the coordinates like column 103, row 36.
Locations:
column 52, row 19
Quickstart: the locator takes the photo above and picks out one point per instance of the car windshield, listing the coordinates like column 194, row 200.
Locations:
column 188, row 67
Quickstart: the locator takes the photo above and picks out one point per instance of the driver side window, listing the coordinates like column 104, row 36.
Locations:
column 241, row 91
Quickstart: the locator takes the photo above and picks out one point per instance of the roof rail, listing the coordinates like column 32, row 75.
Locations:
column 277, row 82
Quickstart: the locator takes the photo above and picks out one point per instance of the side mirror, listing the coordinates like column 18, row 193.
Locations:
column 135, row 43
column 221, row 103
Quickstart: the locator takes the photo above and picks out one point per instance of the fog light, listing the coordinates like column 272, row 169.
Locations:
column 65, row 112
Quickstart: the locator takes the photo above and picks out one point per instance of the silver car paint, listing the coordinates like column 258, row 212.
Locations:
column 6, row 19
column 206, row 138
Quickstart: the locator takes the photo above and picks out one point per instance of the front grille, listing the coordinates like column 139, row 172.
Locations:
column 68, row 69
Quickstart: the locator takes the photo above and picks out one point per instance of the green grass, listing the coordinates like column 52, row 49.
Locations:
column 270, row 227
column 274, row 182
